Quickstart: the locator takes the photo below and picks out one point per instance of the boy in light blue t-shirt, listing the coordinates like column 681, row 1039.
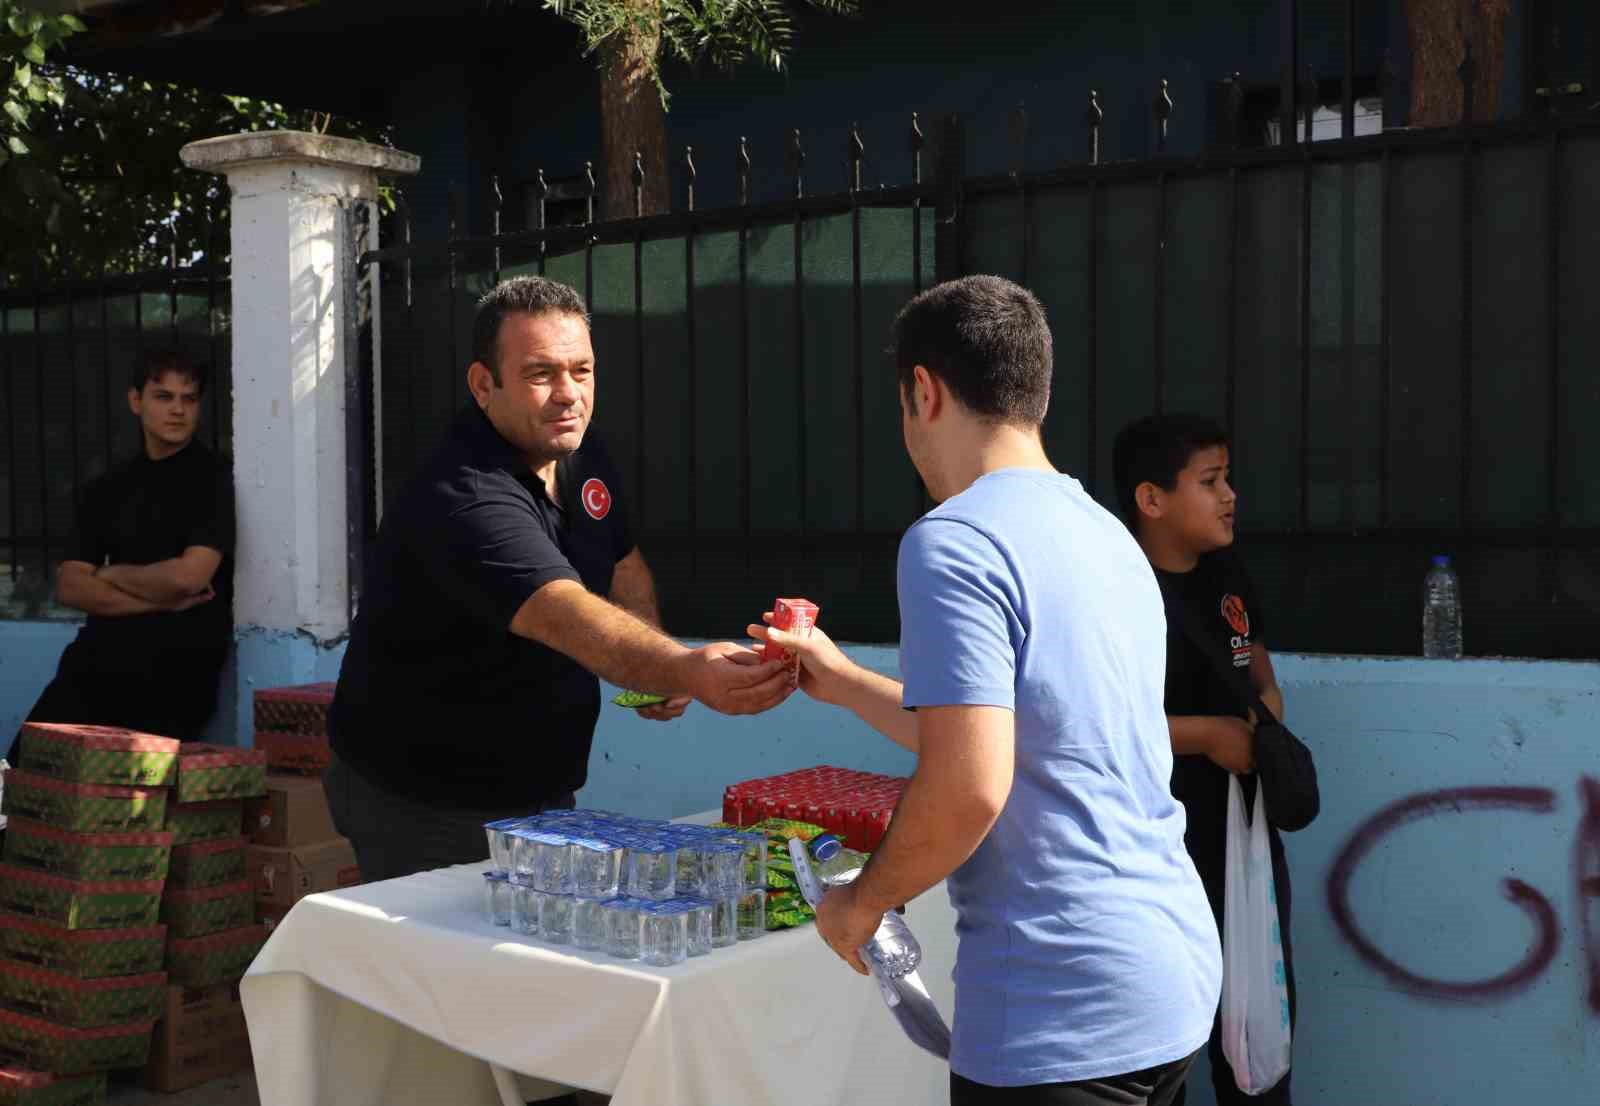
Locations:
column 1033, row 644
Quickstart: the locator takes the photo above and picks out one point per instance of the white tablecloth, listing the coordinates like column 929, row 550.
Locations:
column 399, row 992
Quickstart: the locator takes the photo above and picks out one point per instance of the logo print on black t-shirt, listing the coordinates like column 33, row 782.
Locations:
column 1239, row 618
column 596, row 498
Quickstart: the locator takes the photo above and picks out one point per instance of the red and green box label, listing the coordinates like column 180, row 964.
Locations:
column 79, row 1003
column 193, row 822
column 208, row 773
column 23, row 1087
column 36, row 1043
column 207, row 864
column 90, row 856
column 79, row 904
column 97, row 754
column 84, row 807
column 218, row 958
column 196, row 913
column 84, row 953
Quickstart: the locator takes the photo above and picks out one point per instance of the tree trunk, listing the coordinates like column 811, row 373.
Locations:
column 1439, row 32
column 632, row 120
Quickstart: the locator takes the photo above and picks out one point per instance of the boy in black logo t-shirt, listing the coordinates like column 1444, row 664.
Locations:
column 1173, row 491
column 151, row 564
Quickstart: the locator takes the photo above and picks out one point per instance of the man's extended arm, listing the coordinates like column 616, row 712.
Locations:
column 961, row 784
column 77, row 586
column 828, row 676
column 633, row 588
column 620, row 647
column 169, row 581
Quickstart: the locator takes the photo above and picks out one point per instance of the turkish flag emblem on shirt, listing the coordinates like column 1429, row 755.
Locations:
column 596, row 498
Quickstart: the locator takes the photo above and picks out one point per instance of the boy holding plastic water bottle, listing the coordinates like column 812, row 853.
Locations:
column 1088, row 968
column 1172, row 486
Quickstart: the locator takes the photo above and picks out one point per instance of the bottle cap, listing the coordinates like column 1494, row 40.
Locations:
column 824, row 847
column 1442, row 560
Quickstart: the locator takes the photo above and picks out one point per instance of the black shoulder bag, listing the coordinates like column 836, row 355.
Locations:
column 1287, row 774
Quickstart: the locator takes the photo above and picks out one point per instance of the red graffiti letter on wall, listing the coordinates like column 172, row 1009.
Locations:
column 1586, row 866
column 1535, row 800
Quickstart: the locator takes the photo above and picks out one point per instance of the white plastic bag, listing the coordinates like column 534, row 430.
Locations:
column 1255, row 991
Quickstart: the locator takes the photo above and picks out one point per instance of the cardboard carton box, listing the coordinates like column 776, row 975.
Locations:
column 215, row 958
column 282, row 877
column 201, row 1037
column 80, row 904
column 303, row 754
column 82, row 953
column 96, row 754
column 209, row 773
column 202, row 910
column 144, row 855
column 80, row 1003
column 191, row 822
column 84, row 807
column 207, row 863
column 293, row 812
column 300, row 709
column 46, row 1046
column 23, row 1087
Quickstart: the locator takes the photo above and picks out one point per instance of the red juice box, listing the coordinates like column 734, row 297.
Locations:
column 797, row 616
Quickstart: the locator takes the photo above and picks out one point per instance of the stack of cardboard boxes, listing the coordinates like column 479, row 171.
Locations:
column 82, row 946
column 294, row 849
column 209, row 911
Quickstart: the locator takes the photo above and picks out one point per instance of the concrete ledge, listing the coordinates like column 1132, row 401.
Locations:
column 229, row 151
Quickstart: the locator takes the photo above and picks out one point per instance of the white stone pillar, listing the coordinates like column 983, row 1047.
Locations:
column 293, row 224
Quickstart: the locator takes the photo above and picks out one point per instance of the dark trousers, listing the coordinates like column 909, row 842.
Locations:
column 1157, row 1086
column 176, row 705
column 395, row 835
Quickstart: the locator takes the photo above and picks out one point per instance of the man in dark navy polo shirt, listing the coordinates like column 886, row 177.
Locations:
column 504, row 578
column 150, row 564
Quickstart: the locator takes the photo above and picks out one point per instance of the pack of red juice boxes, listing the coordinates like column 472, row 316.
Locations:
column 856, row 806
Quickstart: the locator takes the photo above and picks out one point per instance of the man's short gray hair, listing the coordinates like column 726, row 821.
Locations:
column 523, row 295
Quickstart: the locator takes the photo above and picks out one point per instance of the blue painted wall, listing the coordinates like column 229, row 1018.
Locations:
column 1429, row 896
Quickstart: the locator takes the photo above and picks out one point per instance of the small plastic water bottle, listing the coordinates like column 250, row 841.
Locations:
column 893, row 951
column 1441, row 611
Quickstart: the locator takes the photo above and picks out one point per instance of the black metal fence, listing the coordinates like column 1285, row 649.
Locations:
column 67, row 350
column 1402, row 332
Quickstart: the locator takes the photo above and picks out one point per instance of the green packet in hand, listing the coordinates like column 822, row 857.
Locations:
column 637, row 699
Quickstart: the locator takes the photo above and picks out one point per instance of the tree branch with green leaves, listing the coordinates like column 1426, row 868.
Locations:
column 632, row 38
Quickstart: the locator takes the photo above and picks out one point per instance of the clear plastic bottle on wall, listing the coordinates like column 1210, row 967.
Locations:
column 1441, row 611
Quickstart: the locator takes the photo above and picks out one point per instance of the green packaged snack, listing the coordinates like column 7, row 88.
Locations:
column 81, row 1003
column 79, row 904
column 82, row 953
column 637, row 699
column 199, row 911
column 207, row 863
column 139, row 855
column 84, row 807
column 208, row 773
column 193, row 822
column 24, row 1087
column 96, row 754
column 60, row 1050
column 215, row 958
column 787, row 909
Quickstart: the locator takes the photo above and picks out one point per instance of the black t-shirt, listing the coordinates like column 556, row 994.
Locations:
column 1222, row 599
column 139, row 513
column 437, row 698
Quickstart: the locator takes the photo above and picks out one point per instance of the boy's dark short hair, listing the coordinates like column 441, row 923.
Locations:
column 523, row 295
column 156, row 363
column 1154, row 450
column 987, row 339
